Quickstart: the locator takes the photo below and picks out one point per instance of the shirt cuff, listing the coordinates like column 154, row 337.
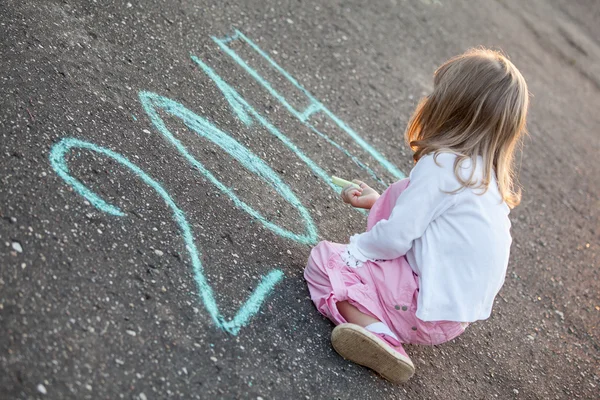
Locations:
column 354, row 250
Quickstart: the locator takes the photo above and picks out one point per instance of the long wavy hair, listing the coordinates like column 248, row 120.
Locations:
column 478, row 107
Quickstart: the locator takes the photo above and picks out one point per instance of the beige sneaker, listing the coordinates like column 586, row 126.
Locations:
column 380, row 352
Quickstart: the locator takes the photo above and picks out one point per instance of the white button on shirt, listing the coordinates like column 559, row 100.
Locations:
column 458, row 244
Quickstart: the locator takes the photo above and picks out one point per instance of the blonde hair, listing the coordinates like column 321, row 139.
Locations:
column 478, row 107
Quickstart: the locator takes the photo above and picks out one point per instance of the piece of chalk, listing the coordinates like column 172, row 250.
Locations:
column 343, row 183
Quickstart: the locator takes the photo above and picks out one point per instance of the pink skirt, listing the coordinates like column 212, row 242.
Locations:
column 386, row 290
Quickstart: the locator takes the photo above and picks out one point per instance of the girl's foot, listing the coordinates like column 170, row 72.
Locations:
column 380, row 352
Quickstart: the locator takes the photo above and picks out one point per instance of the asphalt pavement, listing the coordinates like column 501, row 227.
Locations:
column 164, row 174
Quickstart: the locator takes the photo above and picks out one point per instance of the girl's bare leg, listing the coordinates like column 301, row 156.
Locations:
column 354, row 316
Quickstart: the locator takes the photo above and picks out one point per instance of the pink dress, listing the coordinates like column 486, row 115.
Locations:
column 386, row 290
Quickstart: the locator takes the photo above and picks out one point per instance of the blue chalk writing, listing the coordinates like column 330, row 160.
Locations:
column 244, row 111
column 314, row 105
column 248, row 309
column 151, row 102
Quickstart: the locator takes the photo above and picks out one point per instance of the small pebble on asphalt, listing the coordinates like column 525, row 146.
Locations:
column 41, row 388
column 17, row 247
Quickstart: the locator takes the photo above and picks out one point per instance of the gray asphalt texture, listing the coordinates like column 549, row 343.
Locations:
column 94, row 306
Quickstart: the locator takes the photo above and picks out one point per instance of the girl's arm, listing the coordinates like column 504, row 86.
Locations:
column 419, row 204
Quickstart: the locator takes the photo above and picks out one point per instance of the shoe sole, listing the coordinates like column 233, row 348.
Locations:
column 362, row 347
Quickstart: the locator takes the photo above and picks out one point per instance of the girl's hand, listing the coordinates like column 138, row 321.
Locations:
column 364, row 197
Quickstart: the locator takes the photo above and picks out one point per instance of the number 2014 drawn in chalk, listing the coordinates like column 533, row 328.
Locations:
column 152, row 103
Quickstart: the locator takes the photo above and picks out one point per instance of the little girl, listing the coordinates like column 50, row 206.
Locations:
column 437, row 244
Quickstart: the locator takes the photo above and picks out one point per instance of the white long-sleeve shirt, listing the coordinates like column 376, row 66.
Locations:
column 458, row 244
